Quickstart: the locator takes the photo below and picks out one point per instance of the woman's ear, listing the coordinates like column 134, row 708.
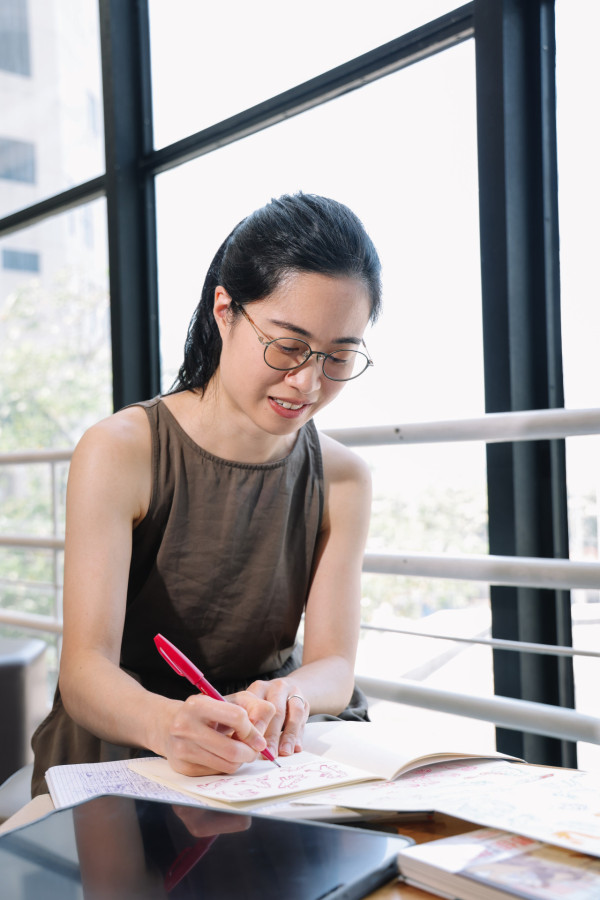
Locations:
column 222, row 308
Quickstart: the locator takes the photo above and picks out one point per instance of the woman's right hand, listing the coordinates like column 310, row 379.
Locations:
column 207, row 736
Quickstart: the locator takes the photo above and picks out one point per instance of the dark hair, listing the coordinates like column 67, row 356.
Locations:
column 295, row 233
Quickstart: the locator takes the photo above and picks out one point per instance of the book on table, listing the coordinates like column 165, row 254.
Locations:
column 489, row 864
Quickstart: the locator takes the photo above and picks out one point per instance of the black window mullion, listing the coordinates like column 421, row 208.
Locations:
column 130, row 200
column 522, row 344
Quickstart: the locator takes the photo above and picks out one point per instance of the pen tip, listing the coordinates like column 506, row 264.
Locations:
column 277, row 764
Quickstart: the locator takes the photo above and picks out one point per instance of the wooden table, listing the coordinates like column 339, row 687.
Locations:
column 421, row 831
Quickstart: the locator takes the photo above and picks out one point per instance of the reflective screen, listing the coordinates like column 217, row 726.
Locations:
column 117, row 847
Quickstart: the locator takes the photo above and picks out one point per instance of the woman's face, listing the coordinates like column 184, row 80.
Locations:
column 329, row 313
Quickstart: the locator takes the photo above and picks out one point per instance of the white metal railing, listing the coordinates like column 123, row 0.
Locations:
column 537, row 718
column 55, row 542
column 496, row 643
column 532, row 425
column 526, row 572
column 35, row 456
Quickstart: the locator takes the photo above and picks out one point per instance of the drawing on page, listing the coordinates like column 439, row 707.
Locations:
column 304, row 777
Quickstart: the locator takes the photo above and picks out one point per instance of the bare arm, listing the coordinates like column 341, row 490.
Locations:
column 108, row 493
column 332, row 619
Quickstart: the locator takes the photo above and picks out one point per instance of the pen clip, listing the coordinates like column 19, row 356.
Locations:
column 166, row 656
column 179, row 661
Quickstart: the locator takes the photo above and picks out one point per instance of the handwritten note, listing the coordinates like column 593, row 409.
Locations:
column 560, row 806
column 258, row 780
column 75, row 783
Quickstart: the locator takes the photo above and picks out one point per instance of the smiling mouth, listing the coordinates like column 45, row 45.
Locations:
column 286, row 405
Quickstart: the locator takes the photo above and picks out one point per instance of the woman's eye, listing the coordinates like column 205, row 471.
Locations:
column 290, row 347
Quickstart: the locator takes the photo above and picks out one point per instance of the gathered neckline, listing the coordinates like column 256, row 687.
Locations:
column 274, row 464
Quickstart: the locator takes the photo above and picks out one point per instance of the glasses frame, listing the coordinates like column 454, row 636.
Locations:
column 266, row 342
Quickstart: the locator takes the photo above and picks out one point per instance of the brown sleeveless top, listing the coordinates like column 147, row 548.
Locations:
column 221, row 566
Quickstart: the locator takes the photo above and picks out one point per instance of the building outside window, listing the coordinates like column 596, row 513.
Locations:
column 21, row 260
column 14, row 37
column 17, row 160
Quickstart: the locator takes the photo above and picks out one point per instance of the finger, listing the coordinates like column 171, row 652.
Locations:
column 207, row 726
column 208, row 753
column 204, row 823
column 293, row 731
column 273, row 731
column 234, row 717
column 260, row 711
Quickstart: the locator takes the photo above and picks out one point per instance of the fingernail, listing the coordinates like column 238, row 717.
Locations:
column 286, row 748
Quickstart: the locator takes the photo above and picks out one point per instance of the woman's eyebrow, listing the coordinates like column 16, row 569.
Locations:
column 288, row 326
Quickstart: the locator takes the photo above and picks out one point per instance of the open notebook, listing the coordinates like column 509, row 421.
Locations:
column 335, row 754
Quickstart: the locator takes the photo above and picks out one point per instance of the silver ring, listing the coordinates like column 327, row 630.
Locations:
column 298, row 697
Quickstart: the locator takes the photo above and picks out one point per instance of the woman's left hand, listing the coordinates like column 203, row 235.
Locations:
column 285, row 731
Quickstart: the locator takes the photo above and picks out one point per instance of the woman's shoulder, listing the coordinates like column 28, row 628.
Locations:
column 347, row 480
column 111, row 468
column 340, row 464
column 121, row 437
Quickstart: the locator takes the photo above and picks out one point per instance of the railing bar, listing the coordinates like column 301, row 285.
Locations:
column 35, row 456
column 28, row 585
column 521, row 715
column 43, row 621
column 524, row 571
column 497, row 643
column 530, row 425
column 29, row 541
column 518, row 570
column 540, row 424
column 469, row 567
column 31, row 620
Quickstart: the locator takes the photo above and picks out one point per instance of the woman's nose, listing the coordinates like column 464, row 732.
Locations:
column 308, row 376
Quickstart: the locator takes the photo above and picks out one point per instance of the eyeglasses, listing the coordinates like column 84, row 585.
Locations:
column 285, row 354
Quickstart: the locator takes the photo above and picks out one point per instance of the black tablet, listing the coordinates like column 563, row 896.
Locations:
column 120, row 848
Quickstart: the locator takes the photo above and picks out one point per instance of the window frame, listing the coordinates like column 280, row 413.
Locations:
column 515, row 51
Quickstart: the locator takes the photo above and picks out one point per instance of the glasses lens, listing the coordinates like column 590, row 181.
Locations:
column 286, row 353
column 342, row 365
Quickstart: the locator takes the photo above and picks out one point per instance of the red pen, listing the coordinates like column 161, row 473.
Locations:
column 183, row 666
column 186, row 861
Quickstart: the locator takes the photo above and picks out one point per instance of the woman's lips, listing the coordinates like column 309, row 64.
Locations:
column 288, row 411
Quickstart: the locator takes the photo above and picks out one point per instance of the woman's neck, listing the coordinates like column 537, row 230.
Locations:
column 230, row 437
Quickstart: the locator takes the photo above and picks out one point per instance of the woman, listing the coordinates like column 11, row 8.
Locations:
column 216, row 515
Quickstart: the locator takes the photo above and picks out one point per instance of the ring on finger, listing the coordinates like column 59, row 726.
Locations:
column 297, row 697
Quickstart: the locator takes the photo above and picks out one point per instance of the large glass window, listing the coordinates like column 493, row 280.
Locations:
column 53, row 111
column 55, row 361
column 578, row 122
column 412, row 178
column 55, row 371
column 230, row 56
column 402, row 153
